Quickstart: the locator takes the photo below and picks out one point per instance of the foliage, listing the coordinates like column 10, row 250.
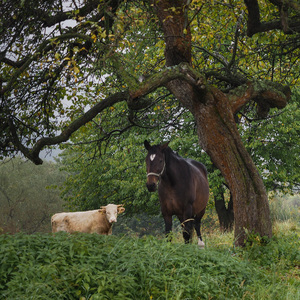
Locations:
column 280, row 252
column 28, row 195
column 116, row 177
column 273, row 145
column 82, row 266
column 226, row 53
column 283, row 208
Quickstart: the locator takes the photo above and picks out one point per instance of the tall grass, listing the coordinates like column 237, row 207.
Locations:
column 82, row 266
column 285, row 208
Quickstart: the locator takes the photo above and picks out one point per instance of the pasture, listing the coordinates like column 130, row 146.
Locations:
column 90, row 266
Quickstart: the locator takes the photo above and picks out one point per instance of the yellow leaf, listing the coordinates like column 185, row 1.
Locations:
column 94, row 37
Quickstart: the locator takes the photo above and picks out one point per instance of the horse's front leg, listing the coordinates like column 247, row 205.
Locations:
column 168, row 226
column 197, row 224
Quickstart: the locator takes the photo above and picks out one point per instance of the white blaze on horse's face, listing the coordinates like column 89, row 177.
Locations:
column 152, row 156
column 153, row 171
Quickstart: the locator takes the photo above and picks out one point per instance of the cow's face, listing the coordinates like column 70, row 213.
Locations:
column 111, row 211
column 155, row 164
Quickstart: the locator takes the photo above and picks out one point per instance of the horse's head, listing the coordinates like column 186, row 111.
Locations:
column 155, row 164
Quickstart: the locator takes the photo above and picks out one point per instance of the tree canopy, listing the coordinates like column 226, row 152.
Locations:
column 94, row 52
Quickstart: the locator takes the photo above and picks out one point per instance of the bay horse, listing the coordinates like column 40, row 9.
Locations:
column 182, row 188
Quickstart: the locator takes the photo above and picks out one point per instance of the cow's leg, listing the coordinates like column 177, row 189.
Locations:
column 197, row 224
column 168, row 225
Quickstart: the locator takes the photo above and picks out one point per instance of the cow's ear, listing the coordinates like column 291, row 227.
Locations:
column 147, row 145
column 164, row 146
column 120, row 209
column 102, row 209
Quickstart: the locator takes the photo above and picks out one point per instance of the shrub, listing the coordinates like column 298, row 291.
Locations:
column 83, row 266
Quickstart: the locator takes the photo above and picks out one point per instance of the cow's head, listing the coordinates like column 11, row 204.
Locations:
column 155, row 164
column 111, row 211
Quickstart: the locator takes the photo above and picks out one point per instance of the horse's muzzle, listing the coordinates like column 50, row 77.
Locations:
column 151, row 187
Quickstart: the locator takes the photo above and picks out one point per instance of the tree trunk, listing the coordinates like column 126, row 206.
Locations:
column 225, row 214
column 217, row 131
column 219, row 137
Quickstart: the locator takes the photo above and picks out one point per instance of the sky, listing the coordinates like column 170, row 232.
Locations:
column 50, row 155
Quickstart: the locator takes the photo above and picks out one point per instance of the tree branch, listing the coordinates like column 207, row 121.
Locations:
column 266, row 94
column 236, row 36
column 182, row 71
column 287, row 25
column 44, row 47
column 63, row 16
column 75, row 125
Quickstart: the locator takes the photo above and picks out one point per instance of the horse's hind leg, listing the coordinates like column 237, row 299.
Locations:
column 187, row 228
column 197, row 224
column 187, row 223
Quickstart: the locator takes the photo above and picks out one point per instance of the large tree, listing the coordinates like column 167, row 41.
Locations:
column 94, row 59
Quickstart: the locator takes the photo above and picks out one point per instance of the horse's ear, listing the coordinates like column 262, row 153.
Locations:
column 147, row 145
column 164, row 146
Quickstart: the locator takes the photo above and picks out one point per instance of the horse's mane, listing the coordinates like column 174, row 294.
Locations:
column 170, row 153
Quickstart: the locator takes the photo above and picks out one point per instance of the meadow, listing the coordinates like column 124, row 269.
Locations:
column 83, row 266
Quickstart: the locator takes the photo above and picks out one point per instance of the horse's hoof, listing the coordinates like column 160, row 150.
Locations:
column 201, row 244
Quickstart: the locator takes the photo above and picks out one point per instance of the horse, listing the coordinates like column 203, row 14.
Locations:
column 182, row 185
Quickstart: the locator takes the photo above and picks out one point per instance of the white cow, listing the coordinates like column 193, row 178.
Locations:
column 92, row 221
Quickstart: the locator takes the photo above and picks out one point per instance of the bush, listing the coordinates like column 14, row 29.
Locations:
column 90, row 266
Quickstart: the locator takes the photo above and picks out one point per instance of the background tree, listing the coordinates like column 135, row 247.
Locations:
column 99, row 56
column 28, row 196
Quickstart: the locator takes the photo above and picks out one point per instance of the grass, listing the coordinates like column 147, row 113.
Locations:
column 82, row 266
